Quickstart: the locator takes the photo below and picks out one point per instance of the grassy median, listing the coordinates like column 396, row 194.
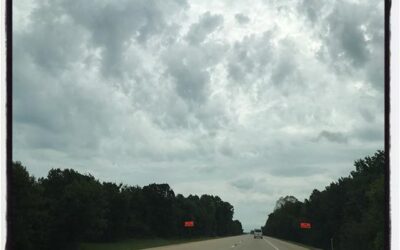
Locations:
column 134, row 244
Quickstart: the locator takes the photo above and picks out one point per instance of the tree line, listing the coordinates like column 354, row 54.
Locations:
column 66, row 208
column 348, row 214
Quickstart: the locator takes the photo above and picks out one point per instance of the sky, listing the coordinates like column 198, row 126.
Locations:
column 247, row 100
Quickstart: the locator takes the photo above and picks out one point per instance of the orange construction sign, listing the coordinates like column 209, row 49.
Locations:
column 305, row 225
column 189, row 224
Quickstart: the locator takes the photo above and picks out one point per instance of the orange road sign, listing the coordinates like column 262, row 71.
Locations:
column 305, row 225
column 189, row 224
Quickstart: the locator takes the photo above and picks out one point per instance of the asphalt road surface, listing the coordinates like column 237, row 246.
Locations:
column 242, row 242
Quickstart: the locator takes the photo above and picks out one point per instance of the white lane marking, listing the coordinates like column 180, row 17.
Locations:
column 271, row 244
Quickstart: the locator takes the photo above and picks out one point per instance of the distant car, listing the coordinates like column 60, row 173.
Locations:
column 257, row 233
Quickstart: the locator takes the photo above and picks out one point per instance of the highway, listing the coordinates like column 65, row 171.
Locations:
column 242, row 242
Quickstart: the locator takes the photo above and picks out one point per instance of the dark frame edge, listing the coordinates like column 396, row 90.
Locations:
column 387, row 238
column 9, row 42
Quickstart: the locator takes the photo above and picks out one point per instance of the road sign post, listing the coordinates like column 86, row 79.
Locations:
column 189, row 225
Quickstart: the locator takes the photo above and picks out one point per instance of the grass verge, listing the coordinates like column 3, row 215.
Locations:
column 134, row 244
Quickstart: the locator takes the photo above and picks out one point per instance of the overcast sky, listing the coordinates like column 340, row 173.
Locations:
column 248, row 100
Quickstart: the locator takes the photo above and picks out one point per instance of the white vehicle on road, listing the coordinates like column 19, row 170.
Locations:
column 257, row 233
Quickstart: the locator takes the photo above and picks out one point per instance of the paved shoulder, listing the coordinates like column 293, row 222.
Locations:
column 283, row 245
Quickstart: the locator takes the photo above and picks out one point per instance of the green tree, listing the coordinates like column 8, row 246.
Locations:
column 159, row 209
column 349, row 211
column 27, row 218
column 77, row 207
column 66, row 208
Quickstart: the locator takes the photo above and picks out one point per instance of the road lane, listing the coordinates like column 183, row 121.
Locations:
column 242, row 242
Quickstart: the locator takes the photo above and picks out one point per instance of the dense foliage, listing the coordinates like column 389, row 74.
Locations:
column 66, row 207
column 349, row 213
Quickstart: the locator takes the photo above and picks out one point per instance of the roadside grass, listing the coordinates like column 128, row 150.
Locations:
column 135, row 244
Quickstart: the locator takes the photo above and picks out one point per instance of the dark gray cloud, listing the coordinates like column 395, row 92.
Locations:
column 251, row 56
column 113, row 26
column 338, row 137
column 189, row 68
column 370, row 134
column 367, row 115
column 207, row 24
column 345, row 34
column 244, row 183
column 297, row 171
column 62, row 46
column 283, row 70
column 312, row 9
column 352, row 36
column 242, row 19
